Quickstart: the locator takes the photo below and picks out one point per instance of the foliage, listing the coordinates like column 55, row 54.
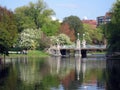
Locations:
column 33, row 16
column 29, row 38
column 113, row 29
column 92, row 35
column 44, row 42
column 65, row 28
column 8, row 30
column 51, row 28
column 75, row 24
column 61, row 39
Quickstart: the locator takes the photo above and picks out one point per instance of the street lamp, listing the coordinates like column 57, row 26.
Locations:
column 78, row 35
column 84, row 41
column 83, row 36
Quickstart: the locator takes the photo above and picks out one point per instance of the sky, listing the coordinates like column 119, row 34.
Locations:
column 84, row 9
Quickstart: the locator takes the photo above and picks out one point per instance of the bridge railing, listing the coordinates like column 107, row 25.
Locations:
column 96, row 46
column 73, row 47
column 87, row 46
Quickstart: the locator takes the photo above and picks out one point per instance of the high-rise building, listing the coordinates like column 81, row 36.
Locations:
column 100, row 20
column 104, row 19
column 108, row 17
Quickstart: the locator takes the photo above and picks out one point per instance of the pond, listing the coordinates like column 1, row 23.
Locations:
column 56, row 73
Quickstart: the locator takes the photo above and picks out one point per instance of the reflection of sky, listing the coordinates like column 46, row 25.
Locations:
column 60, row 87
column 89, row 87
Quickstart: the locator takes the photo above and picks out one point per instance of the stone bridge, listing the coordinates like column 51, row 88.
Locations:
column 78, row 49
column 72, row 50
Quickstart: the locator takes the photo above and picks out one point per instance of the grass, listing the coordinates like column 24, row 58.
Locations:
column 31, row 53
column 37, row 53
column 97, row 52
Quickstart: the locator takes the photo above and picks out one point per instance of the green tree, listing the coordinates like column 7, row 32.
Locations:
column 92, row 35
column 74, row 23
column 8, row 30
column 33, row 16
column 51, row 28
column 113, row 29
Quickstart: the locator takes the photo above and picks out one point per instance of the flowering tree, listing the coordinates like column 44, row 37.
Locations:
column 29, row 38
column 61, row 39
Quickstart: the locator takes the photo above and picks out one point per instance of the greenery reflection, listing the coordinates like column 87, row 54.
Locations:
column 113, row 74
column 51, row 73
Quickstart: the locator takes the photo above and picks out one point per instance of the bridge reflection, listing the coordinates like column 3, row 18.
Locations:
column 74, row 71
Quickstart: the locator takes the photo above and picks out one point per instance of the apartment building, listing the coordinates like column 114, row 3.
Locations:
column 104, row 19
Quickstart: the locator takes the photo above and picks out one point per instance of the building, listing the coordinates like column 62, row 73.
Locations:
column 92, row 23
column 104, row 19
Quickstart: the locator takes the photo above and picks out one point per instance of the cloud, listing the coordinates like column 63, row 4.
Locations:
column 69, row 5
column 85, row 18
column 53, row 18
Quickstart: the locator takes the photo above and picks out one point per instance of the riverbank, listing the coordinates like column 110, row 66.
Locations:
column 30, row 53
column 111, row 55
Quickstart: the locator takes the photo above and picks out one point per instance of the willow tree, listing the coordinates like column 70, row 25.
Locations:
column 8, row 30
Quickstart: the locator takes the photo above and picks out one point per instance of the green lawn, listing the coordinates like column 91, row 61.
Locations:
column 37, row 53
column 31, row 53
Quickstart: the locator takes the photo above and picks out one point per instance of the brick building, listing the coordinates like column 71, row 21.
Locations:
column 92, row 23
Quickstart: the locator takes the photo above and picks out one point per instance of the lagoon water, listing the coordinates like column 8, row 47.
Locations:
column 56, row 73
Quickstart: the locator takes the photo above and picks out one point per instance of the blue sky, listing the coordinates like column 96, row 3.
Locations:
column 63, row 8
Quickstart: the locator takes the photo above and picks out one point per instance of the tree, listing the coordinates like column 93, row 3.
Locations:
column 51, row 28
column 29, row 39
column 113, row 29
column 74, row 23
column 62, row 39
column 8, row 30
column 64, row 28
column 33, row 16
column 92, row 35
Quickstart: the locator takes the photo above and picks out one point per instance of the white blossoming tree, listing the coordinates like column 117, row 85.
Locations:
column 61, row 39
column 29, row 38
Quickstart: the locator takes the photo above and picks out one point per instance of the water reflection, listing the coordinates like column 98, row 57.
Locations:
column 113, row 74
column 56, row 73
column 78, row 67
column 77, row 73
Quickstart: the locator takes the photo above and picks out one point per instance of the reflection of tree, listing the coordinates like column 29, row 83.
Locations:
column 8, row 77
column 49, row 81
column 94, row 73
column 113, row 74
column 54, row 63
column 30, row 71
column 60, row 66
column 53, row 73
column 35, row 75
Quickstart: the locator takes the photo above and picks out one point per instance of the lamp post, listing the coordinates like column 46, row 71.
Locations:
column 84, row 41
column 78, row 36
column 83, row 36
column 78, row 46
